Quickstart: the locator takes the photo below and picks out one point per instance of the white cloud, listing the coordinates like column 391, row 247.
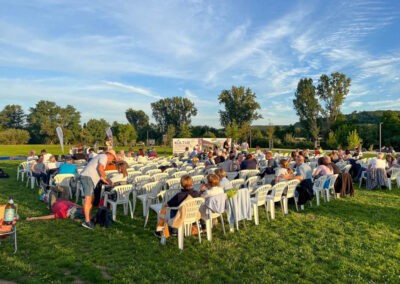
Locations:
column 133, row 89
column 355, row 104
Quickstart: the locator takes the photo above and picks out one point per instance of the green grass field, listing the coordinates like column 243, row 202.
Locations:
column 351, row 240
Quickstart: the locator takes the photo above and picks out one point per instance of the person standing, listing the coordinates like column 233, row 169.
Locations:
column 245, row 147
column 226, row 145
column 90, row 177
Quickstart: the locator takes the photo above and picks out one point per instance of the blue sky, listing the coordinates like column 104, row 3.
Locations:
column 104, row 57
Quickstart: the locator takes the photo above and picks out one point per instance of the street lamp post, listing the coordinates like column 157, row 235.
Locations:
column 380, row 136
column 250, row 136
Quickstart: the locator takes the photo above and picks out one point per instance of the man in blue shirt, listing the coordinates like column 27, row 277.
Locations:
column 68, row 167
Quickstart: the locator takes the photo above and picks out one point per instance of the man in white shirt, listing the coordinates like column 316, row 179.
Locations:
column 93, row 172
column 245, row 147
column 46, row 156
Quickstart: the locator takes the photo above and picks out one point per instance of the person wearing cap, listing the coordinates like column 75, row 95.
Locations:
column 68, row 167
column 94, row 172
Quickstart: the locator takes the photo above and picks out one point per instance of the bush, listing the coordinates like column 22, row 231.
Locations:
column 13, row 136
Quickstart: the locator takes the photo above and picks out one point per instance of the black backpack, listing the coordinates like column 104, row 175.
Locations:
column 103, row 217
column 3, row 174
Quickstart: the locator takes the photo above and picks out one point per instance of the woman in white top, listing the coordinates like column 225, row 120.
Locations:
column 378, row 162
column 212, row 187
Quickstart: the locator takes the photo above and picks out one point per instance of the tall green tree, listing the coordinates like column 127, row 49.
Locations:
column 201, row 130
column 69, row 119
column 44, row 118
column 245, row 132
column 96, row 130
column 333, row 90
column 232, row 131
column 390, row 128
column 209, row 134
column 12, row 116
column 173, row 111
column 185, row 131
column 331, row 142
column 171, row 132
column 240, row 105
column 353, row 139
column 307, row 106
column 137, row 118
column 270, row 132
column 42, row 122
column 124, row 133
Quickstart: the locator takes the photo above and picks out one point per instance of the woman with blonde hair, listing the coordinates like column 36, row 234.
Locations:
column 212, row 187
column 223, row 181
column 283, row 170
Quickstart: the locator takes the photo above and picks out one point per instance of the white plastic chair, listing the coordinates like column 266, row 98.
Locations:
column 231, row 175
column 63, row 180
column 123, row 194
column 243, row 174
column 395, row 172
column 199, row 170
column 346, row 168
column 290, row 193
column 190, row 208
column 362, row 177
column 131, row 176
column 179, row 174
column 22, row 169
column 252, row 183
column 170, row 171
column 153, row 172
column 162, row 198
column 173, row 183
column 237, row 183
column 150, row 192
column 260, row 199
column 210, row 169
column 198, row 179
column 160, row 177
column 276, row 196
column 139, row 181
column 331, row 188
column 318, row 187
column 30, row 179
column 214, row 215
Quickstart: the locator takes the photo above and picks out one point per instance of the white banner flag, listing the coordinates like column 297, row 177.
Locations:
column 60, row 137
column 110, row 136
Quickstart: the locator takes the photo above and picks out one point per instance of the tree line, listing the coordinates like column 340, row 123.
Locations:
column 317, row 105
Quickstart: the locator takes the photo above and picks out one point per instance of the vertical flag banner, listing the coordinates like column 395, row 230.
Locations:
column 60, row 137
column 110, row 136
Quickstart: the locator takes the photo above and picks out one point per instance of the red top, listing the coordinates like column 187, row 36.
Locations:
column 60, row 208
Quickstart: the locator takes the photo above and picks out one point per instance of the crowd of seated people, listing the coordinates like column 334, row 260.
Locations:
column 296, row 166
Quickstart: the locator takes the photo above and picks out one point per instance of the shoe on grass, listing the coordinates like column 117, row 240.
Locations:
column 88, row 225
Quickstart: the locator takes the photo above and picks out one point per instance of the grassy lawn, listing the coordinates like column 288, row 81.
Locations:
column 353, row 240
